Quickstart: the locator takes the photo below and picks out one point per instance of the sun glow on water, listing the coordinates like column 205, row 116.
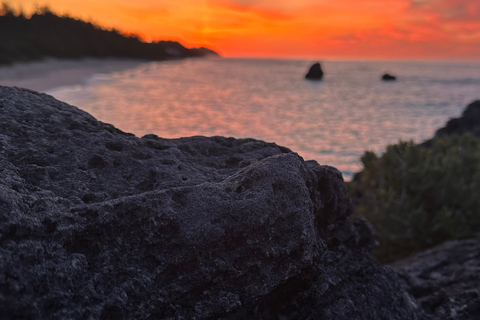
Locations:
column 332, row 121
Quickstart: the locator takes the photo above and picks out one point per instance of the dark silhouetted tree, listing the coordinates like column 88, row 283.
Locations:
column 46, row 34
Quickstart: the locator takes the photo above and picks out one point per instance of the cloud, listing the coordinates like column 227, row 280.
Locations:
column 392, row 28
column 265, row 9
column 301, row 27
column 449, row 10
column 458, row 21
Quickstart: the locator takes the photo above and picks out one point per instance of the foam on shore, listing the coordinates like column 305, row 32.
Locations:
column 53, row 73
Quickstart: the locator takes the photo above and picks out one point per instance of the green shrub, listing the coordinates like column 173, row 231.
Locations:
column 417, row 196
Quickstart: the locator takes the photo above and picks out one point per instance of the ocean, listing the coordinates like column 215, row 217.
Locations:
column 333, row 121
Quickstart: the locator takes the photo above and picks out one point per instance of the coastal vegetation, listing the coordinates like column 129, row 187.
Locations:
column 417, row 196
column 46, row 34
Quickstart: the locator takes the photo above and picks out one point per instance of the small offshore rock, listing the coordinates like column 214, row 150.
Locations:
column 388, row 77
column 315, row 72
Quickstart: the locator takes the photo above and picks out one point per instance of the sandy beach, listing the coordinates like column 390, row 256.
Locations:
column 52, row 73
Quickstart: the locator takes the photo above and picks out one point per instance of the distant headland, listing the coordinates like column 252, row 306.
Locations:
column 46, row 34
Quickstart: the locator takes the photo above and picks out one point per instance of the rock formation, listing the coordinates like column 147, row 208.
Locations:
column 315, row 72
column 388, row 77
column 445, row 279
column 96, row 223
column 468, row 122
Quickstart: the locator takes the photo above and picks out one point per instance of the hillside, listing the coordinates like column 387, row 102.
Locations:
column 45, row 34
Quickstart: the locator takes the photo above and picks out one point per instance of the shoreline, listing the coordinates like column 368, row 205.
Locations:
column 48, row 74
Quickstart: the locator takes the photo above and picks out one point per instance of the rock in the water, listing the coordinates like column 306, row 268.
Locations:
column 388, row 77
column 315, row 72
column 445, row 279
column 98, row 224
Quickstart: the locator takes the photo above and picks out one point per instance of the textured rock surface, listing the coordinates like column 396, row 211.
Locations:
column 98, row 224
column 468, row 122
column 445, row 279
column 315, row 72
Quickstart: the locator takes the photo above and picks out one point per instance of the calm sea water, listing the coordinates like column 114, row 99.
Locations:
column 332, row 121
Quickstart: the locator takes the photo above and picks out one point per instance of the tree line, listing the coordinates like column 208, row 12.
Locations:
column 46, row 34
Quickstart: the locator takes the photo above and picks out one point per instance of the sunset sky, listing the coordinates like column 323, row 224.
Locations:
column 342, row 29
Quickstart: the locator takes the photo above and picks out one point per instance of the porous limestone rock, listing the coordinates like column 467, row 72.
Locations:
column 446, row 279
column 96, row 223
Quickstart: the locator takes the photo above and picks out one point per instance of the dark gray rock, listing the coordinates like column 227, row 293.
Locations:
column 388, row 77
column 315, row 72
column 469, row 122
column 445, row 279
column 98, row 224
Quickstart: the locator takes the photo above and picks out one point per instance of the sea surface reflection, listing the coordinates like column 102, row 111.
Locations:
column 332, row 121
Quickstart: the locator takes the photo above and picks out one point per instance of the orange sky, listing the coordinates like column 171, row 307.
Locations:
column 332, row 29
